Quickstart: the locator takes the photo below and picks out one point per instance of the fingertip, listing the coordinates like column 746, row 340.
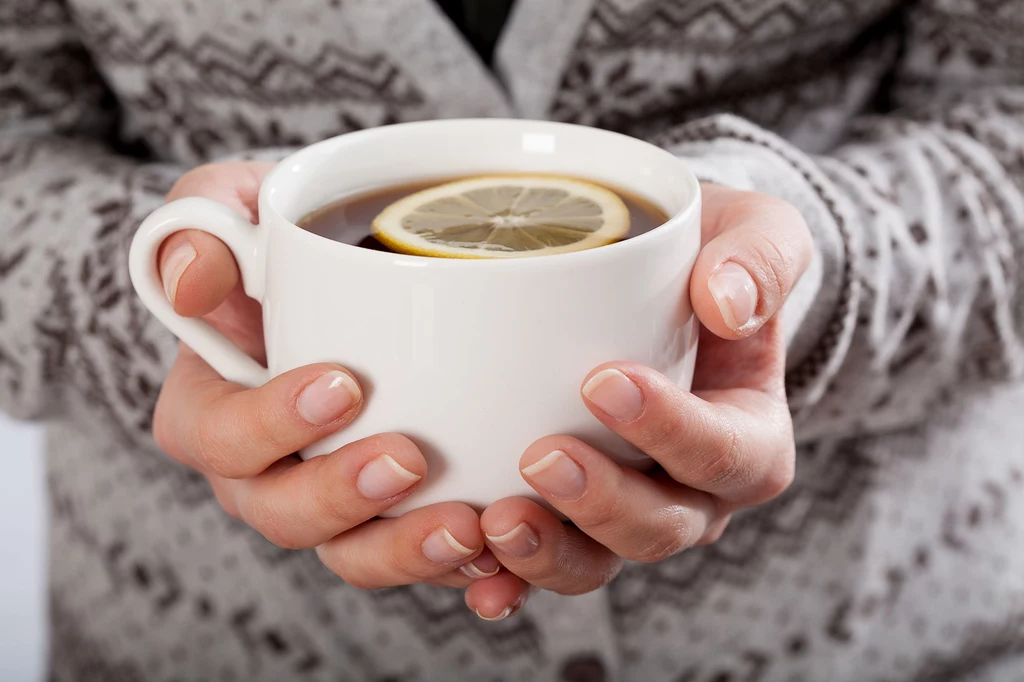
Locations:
column 492, row 516
column 321, row 394
column 459, row 519
column 506, row 515
column 497, row 598
column 485, row 566
column 758, row 248
column 402, row 450
column 198, row 272
column 386, row 467
column 540, row 449
column 726, row 298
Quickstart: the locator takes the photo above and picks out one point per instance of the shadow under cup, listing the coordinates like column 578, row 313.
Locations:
column 474, row 360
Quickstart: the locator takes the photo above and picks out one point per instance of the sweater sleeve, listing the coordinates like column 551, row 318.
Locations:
column 917, row 291
column 69, row 203
column 72, row 331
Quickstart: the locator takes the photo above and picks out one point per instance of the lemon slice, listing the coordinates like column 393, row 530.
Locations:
column 503, row 217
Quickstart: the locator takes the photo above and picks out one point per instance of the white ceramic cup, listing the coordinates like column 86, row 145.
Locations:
column 472, row 359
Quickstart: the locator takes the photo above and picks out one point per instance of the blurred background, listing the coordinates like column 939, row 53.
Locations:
column 22, row 549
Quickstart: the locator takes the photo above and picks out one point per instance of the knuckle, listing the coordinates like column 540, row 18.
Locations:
column 666, row 539
column 803, row 239
column 225, row 499
column 784, row 210
column 571, row 572
column 780, row 477
column 335, row 562
column 725, row 461
column 608, row 512
column 776, row 267
column 266, row 425
column 605, row 575
column 195, row 179
column 361, row 582
column 664, row 430
column 575, row 589
column 163, row 432
column 585, row 584
column 267, row 518
column 778, row 208
column 783, row 263
column 663, row 435
column 657, row 549
column 166, row 430
column 329, row 500
column 210, row 450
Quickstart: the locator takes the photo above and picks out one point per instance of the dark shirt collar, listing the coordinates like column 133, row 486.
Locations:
column 480, row 21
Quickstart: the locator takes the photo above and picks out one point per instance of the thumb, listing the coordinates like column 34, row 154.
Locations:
column 197, row 270
column 756, row 249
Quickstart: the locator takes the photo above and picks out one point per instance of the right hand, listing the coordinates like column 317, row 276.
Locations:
column 243, row 440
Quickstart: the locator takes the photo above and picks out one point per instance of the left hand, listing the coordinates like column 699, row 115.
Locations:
column 724, row 446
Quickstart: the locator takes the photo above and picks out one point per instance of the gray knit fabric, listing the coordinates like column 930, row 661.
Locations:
column 896, row 127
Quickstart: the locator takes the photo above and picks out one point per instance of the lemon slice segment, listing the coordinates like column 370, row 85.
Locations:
column 502, row 216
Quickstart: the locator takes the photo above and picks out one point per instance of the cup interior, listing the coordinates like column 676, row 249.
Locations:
column 411, row 152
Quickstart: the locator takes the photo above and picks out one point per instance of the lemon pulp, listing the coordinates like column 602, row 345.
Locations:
column 500, row 216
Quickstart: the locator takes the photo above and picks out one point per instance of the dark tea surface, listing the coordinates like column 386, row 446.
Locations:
column 349, row 220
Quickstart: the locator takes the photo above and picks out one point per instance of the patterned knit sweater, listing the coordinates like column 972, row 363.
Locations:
column 896, row 127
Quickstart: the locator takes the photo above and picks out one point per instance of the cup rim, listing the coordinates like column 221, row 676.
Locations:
column 677, row 220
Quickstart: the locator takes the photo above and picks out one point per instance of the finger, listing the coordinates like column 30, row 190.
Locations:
column 531, row 543
column 756, row 364
column 236, row 184
column 224, row 491
column 497, row 598
column 715, row 531
column 637, row 517
column 486, row 565
column 424, row 544
column 198, row 272
column 742, row 452
column 756, row 248
column 197, row 269
column 299, row 505
column 219, row 427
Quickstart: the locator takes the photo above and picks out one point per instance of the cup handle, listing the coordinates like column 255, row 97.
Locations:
column 241, row 238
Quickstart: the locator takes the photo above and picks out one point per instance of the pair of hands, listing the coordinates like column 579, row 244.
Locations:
column 725, row 446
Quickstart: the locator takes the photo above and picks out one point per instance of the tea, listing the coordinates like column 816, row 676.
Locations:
column 348, row 220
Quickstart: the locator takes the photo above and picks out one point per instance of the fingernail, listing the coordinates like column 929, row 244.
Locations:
column 520, row 542
column 441, row 547
column 501, row 616
column 484, row 566
column 559, row 475
column 327, row 398
column 383, row 477
column 616, row 394
column 506, row 612
column 174, row 267
column 735, row 293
